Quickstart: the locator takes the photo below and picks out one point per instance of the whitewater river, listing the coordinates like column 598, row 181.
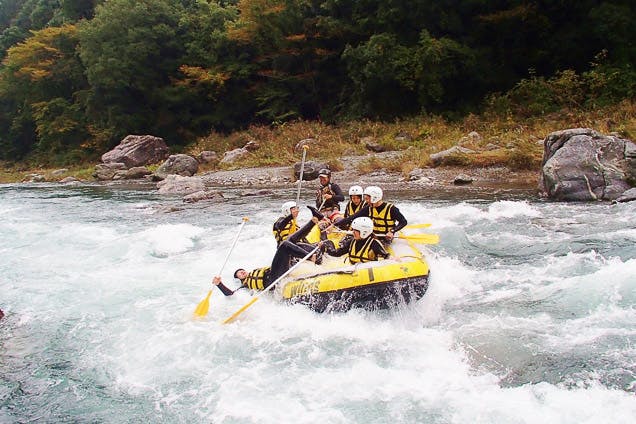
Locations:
column 530, row 316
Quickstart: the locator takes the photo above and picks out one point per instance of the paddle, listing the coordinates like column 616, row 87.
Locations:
column 417, row 238
column 203, row 306
column 302, row 170
column 414, row 226
column 420, row 238
column 271, row 286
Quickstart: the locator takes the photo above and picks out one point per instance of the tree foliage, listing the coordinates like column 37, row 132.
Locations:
column 78, row 75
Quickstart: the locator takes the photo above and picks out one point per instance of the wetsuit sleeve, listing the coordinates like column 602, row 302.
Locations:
column 379, row 250
column 338, row 196
column 226, row 291
column 282, row 222
column 345, row 222
column 401, row 221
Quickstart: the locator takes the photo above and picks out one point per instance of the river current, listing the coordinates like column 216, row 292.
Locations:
column 530, row 316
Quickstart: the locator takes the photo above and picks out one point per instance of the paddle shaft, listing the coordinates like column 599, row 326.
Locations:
column 202, row 308
column 302, row 170
column 271, row 286
column 233, row 244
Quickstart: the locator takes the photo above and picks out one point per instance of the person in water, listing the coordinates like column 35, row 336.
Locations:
column 261, row 278
column 387, row 218
column 286, row 224
column 363, row 246
column 328, row 194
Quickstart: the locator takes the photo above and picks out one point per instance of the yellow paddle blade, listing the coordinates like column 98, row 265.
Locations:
column 240, row 311
column 203, row 306
column 413, row 226
column 421, row 238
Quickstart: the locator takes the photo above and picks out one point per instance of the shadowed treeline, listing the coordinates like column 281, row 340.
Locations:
column 78, row 75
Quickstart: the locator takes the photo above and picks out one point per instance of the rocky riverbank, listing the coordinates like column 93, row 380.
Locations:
column 438, row 179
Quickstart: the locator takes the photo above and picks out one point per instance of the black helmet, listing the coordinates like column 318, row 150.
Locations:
column 324, row 172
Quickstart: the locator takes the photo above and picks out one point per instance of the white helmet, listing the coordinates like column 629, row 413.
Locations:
column 374, row 192
column 287, row 207
column 364, row 224
column 355, row 190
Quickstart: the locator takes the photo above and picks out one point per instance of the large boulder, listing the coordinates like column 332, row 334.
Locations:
column 119, row 171
column 137, row 150
column 184, row 165
column 581, row 164
column 310, row 171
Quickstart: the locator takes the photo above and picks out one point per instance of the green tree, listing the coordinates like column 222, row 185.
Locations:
column 41, row 81
column 131, row 50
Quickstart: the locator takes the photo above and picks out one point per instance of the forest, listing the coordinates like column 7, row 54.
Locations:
column 78, row 75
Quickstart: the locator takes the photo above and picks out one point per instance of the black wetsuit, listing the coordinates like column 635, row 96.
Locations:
column 288, row 249
column 330, row 204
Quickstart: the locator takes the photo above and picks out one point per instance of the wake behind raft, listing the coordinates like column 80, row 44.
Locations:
column 338, row 286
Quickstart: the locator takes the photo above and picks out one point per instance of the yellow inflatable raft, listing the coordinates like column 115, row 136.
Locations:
column 336, row 285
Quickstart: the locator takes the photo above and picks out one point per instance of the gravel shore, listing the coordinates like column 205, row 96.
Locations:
column 439, row 180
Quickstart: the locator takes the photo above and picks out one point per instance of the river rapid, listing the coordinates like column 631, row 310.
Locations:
column 530, row 316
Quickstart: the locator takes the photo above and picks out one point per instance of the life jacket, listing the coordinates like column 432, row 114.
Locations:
column 285, row 232
column 351, row 208
column 381, row 216
column 328, row 204
column 364, row 253
column 255, row 280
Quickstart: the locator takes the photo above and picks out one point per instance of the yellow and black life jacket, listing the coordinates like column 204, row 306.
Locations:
column 381, row 216
column 255, row 280
column 362, row 254
column 351, row 208
column 284, row 233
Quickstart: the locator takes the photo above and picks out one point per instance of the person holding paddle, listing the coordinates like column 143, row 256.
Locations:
column 261, row 278
column 328, row 194
column 387, row 218
column 286, row 224
column 363, row 246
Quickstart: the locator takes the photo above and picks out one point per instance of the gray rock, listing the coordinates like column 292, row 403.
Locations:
column 262, row 192
column 176, row 184
column 441, row 157
column 69, row 180
column 581, row 164
column 372, row 145
column 34, row 178
column 234, row 155
column 203, row 195
column 59, row 172
column 463, row 179
column 184, row 165
column 627, row 196
column 207, row 156
column 311, row 170
column 107, row 171
column 137, row 150
column 474, row 137
column 403, row 136
column 135, row 173
column 491, row 147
